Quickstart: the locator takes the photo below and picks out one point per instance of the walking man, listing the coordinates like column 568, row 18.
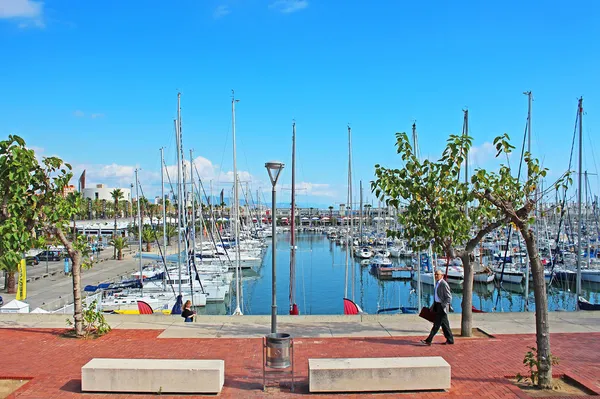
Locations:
column 441, row 306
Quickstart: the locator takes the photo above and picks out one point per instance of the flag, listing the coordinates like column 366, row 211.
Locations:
column 22, row 285
column 222, row 196
column 82, row 181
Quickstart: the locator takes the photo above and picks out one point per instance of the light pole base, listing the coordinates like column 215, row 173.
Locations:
column 237, row 312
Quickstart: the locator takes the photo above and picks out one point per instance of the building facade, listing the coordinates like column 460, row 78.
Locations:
column 101, row 192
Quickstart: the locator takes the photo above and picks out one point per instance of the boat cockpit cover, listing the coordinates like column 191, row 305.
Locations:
column 177, row 308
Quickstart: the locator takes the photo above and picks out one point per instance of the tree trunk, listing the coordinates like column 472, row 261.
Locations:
column 466, row 320
column 148, row 248
column 11, row 283
column 541, row 312
column 77, row 304
column 76, row 274
column 114, row 237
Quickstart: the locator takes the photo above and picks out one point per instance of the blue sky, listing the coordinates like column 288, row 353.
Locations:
column 96, row 83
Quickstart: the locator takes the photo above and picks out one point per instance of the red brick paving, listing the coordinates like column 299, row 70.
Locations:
column 479, row 365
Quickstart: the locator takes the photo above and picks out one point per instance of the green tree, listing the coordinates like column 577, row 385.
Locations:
column 33, row 197
column 513, row 198
column 435, row 208
column 116, row 194
column 119, row 243
column 148, row 237
column 20, row 177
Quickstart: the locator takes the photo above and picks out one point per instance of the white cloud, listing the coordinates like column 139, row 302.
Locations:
column 313, row 189
column 480, row 155
column 289, row 6
column 117, row 175
column 221, row 11
column 28, row 12
column 94, row 116
column 79, row 114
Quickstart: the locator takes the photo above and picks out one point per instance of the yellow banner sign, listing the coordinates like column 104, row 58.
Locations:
column 22, row 287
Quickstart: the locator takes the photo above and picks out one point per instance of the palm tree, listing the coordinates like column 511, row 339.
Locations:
column 10, row 270
column 97, row 207
column 116, row 195
column 148, row 236
column 152, row 209
column 119, row 243
column 171, row 232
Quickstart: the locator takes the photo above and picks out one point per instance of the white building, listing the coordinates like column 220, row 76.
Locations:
column 101, row 192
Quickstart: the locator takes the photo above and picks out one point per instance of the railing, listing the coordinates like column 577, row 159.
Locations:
column 66, row 306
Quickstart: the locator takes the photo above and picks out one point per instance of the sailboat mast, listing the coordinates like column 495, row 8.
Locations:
column 179, row 198
column 350, row 246
column 139, row 203
column 415, row 139
column 579, row 223
column 527, row 266
column 193, row 230
column 293, row 305
column 180, row 206
column 361, row 214
column 466, row 134
column 164, row 206
column 235, row 211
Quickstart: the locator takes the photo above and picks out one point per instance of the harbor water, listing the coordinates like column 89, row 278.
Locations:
column 320, row 285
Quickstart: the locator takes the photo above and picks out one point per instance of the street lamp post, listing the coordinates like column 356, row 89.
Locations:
column 274, row 168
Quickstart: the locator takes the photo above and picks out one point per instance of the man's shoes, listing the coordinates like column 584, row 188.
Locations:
column 447, row 343
column 425, row 342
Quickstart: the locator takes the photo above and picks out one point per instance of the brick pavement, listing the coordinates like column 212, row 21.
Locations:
column 479, row 365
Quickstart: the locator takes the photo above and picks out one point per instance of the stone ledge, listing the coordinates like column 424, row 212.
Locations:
column 378, row 374
column 153, row 375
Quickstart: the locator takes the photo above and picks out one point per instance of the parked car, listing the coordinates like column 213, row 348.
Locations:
column 32, row 260
column 50, row 255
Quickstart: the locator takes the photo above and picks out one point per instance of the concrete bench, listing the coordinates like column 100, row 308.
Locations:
column 153, row 375
column 378, row 374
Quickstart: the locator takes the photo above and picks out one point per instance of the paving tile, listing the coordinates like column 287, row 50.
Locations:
column 478, row 365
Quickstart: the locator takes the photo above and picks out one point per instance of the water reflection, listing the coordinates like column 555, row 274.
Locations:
column 320, row 267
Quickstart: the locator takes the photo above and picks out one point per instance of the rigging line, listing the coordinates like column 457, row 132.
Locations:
column 591, row 145
column 562, row 207
column 518, row 178
column 169, row 178
column 213, row 216
column 218, row 179
column 155, row 239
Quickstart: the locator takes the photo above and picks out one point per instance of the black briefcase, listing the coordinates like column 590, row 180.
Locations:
column 427, row 314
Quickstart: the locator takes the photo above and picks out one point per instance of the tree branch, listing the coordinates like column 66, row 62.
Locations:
column 483, row 232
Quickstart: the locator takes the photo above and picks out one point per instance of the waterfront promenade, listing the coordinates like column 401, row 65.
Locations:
column 48, row 287
column 33, row 348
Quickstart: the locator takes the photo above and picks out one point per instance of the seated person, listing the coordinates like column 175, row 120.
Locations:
column 187, row 312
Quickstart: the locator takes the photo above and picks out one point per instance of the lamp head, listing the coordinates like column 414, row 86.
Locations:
column 274, row 168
